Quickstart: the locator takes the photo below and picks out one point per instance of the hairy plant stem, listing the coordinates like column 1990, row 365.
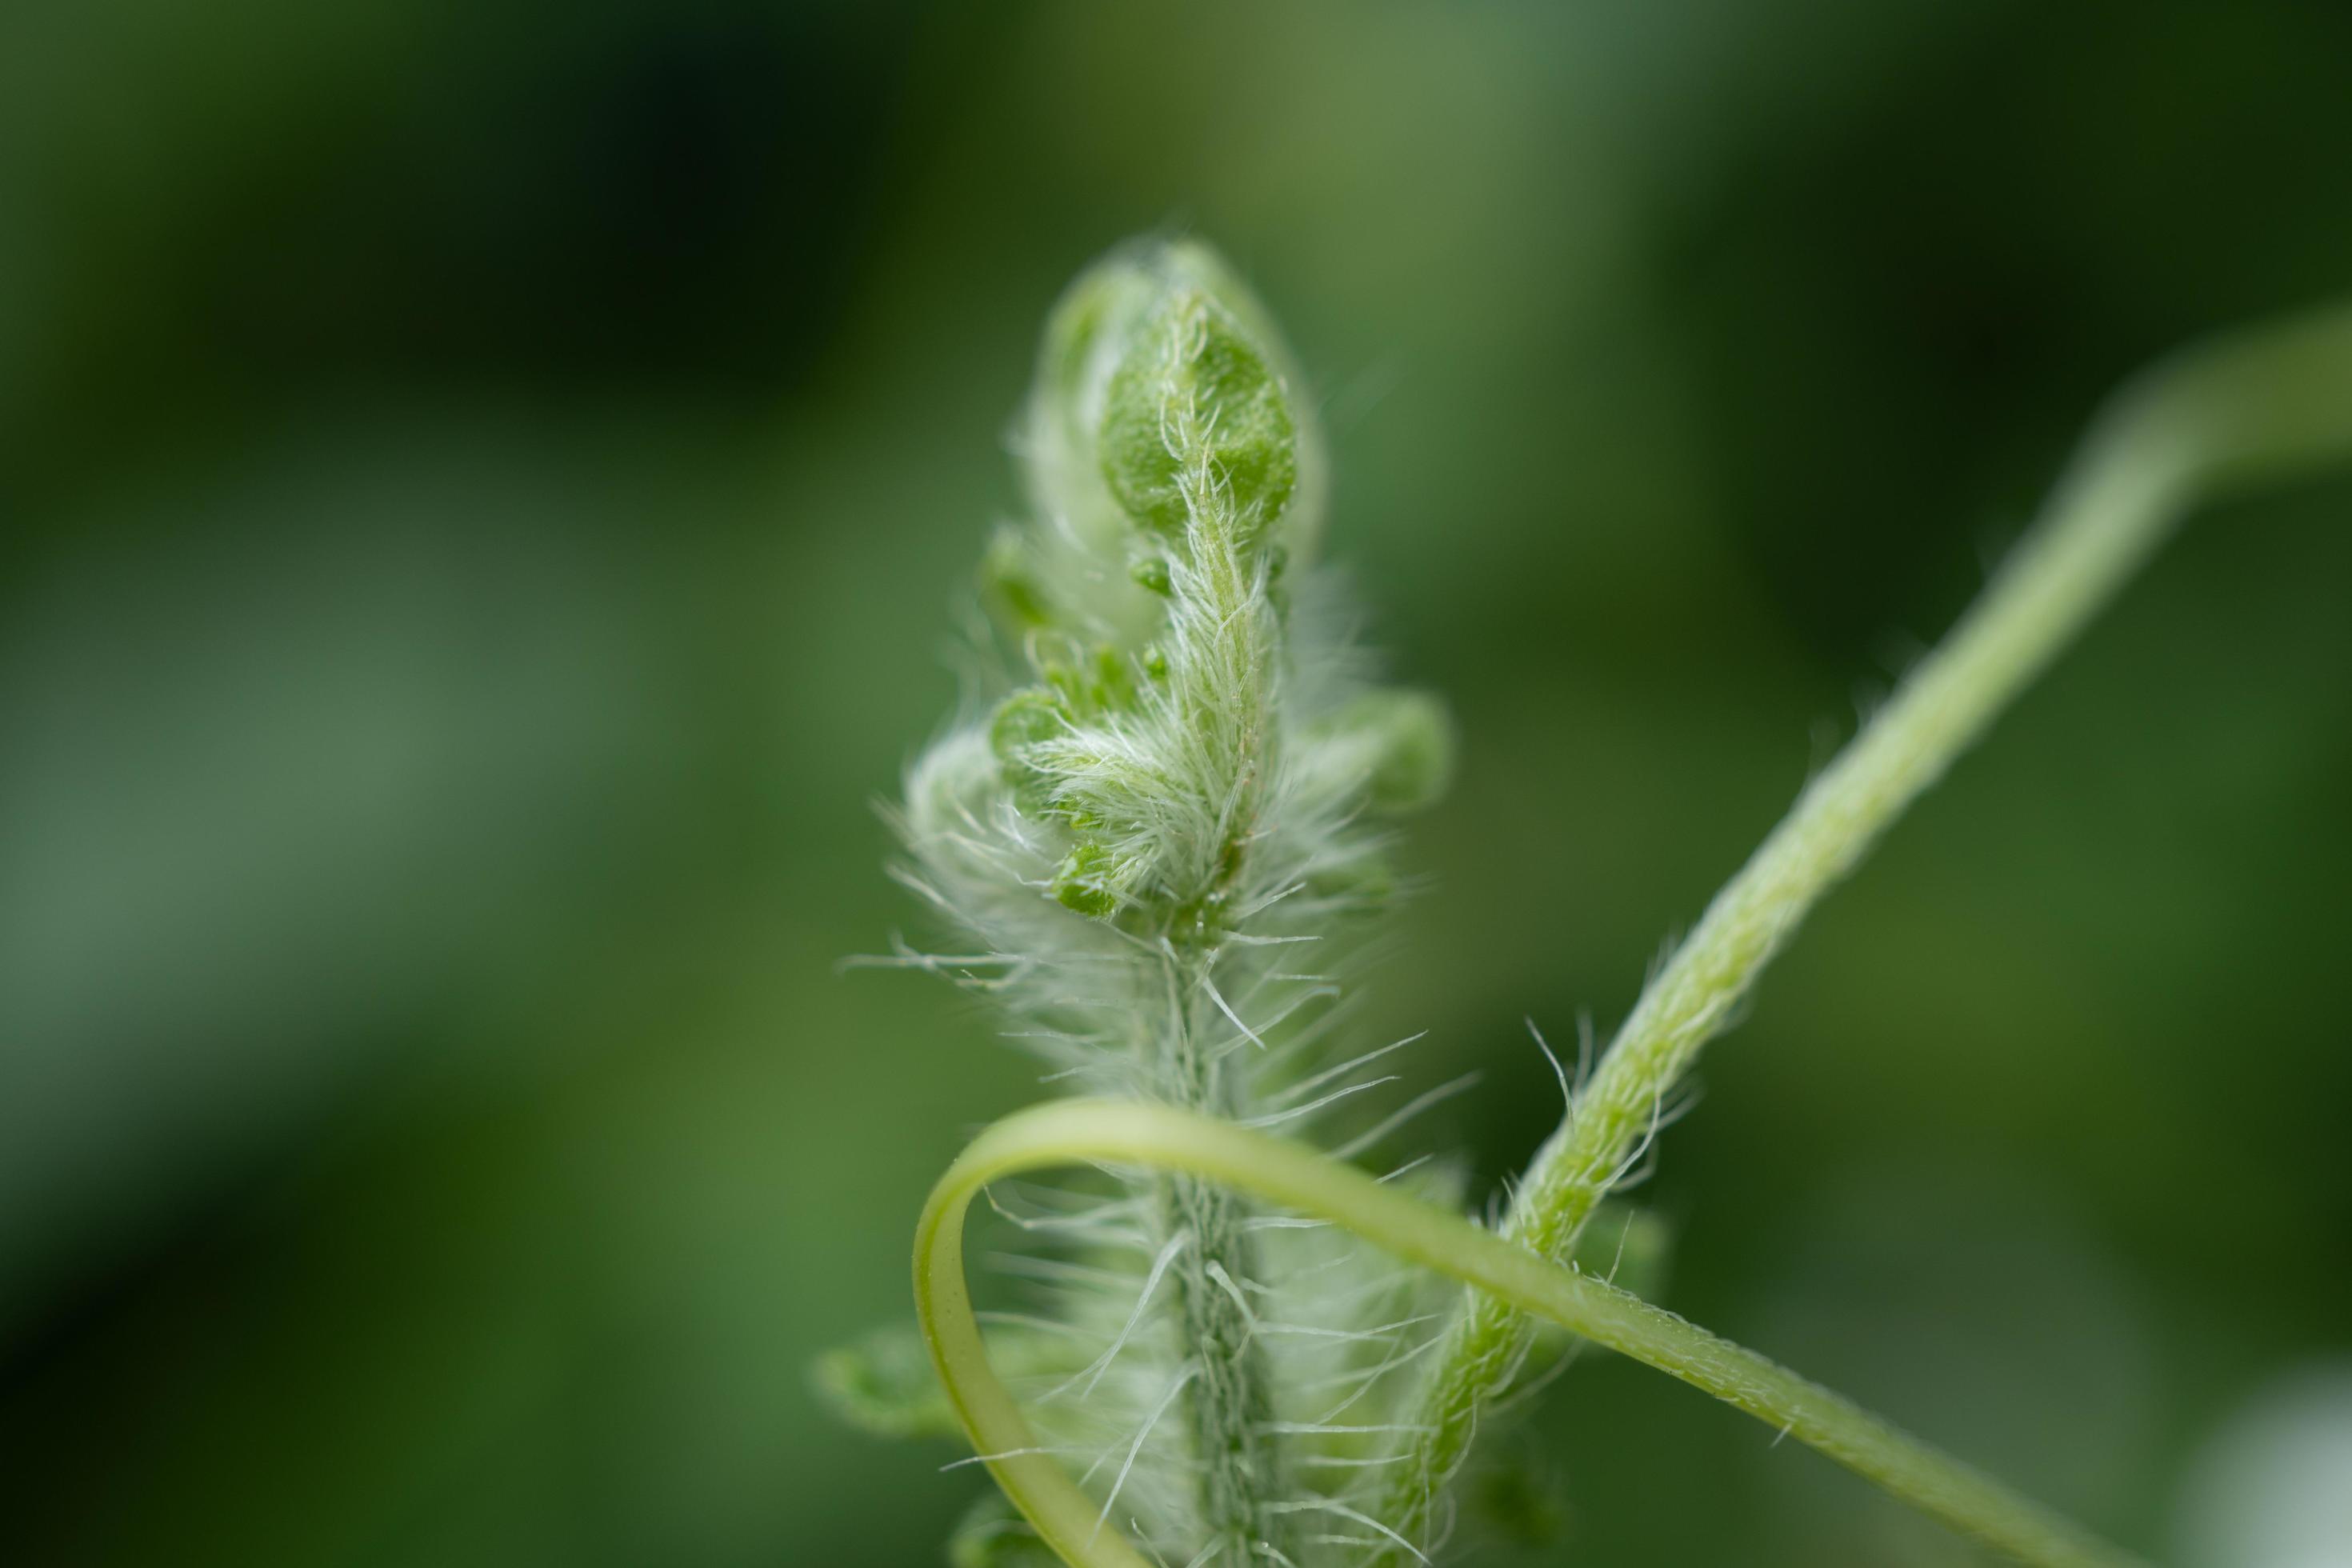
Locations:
column 1295, row 1176
column 2251, row 406
column 1227, row 1403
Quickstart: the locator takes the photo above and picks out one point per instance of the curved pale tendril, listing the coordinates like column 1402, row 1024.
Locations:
column 1290, row 1175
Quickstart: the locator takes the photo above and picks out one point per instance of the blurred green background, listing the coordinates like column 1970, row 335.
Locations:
column 486, row 488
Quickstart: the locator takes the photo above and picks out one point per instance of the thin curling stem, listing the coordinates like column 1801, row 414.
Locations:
column 1285, row 1174
column 2248, row 408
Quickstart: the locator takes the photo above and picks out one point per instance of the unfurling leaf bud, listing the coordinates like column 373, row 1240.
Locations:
column 884, row 1384
column 993, row 1535
column 1028, row 716
column 1152, row 572
column 1008, row 583
column 1113, row 336
column 1197, row 420
column 1083, row 884
column 1403, row 742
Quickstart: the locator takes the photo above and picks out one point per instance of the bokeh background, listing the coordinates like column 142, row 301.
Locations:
column 486, row 488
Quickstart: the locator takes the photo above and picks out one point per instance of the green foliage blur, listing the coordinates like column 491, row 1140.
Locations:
column 485, row 493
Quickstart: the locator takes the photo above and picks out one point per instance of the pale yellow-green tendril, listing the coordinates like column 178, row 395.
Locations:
column 1294, row 1176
